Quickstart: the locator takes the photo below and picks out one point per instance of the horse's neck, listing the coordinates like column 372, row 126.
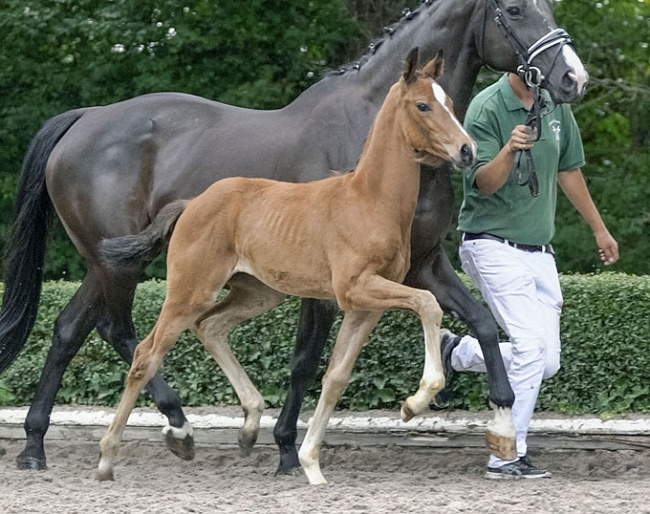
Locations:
column 387, row 172
column 445, row 25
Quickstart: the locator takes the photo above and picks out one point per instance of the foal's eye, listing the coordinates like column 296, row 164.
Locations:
column 422, row 107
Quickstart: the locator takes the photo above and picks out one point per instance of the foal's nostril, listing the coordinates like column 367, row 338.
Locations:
column 466, row 155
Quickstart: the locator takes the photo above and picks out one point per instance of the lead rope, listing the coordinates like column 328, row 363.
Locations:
column 534, row 121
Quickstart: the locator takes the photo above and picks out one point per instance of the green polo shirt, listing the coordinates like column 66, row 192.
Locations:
column 512, row 212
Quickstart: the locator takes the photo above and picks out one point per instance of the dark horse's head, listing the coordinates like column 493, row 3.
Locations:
column 543, row 53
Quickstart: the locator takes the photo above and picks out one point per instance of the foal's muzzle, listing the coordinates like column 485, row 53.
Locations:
column 467, row 155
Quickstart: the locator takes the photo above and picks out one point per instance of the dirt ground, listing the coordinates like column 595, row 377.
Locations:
column 361, row 480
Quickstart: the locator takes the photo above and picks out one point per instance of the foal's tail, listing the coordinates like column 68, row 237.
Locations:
column 25, row 246
column 136, row 250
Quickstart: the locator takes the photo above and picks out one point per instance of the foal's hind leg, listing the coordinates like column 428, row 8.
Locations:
column 115, row 325
column 146, row 361
column 247, row 298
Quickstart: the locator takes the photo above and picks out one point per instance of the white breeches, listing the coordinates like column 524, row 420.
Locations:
column 523, row 292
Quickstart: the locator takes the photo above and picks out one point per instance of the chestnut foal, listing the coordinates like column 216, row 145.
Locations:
column 346, row 237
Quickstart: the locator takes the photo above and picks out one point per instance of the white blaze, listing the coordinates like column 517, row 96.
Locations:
column 440, row 95
column 579, row 73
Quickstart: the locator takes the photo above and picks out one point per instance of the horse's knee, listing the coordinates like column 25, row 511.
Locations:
column 486, row 331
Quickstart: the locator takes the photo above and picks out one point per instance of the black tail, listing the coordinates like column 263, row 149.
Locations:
column 25, row 247
column 136, row 250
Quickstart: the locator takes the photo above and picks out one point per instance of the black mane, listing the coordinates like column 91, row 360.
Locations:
column 389, row 31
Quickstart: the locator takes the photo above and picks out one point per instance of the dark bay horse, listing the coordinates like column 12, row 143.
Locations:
column 346, row 237
column 107, row 171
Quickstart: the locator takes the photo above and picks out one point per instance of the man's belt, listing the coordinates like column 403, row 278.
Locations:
column 471, row 236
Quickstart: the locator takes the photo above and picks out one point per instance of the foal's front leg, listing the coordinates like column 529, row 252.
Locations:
column 316, row 320
column 377, row 293
column 353, row 334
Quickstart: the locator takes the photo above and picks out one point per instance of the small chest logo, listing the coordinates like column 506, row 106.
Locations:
column 555, row 127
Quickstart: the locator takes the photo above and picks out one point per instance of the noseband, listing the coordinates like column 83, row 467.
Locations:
column 533, row 78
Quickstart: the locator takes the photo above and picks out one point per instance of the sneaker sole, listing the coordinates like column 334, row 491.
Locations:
column 505, row 476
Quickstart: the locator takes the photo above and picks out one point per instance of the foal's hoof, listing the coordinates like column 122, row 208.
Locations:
column 406, row 413
column 246, row 443
column 104, row 476
column 182, row 448
column 25, row 462
column 245, row 449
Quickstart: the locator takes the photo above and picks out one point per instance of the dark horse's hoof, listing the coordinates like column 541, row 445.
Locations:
column 289, row 464
column 292, row 472
column 182, row 448
column 25, row 462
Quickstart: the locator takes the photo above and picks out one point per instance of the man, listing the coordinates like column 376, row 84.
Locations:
column 507, row 221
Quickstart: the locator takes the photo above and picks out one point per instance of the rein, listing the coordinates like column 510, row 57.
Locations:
column 533, row 78
column 534, row 121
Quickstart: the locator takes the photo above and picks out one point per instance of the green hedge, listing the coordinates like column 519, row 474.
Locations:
column 605, row 359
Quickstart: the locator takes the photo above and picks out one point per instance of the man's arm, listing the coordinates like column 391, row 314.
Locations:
column 575, row 188
column 491, row 177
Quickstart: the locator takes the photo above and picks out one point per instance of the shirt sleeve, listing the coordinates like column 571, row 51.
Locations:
column 484, row 128
column 572, row 154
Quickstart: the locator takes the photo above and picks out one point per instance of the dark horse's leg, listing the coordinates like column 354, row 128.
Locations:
column 71, row 328
column 436, row 274
column 316, row 320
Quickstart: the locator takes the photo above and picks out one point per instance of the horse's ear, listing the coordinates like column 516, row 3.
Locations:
column 435, row 67
column 410, row 65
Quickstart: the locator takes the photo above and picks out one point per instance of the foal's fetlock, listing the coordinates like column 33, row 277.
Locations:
column 416, row 404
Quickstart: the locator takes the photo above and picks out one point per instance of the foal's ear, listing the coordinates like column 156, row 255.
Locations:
column 410, row 65
column 435, row 67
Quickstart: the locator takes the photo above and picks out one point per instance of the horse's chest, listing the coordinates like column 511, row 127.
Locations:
column 389, row 258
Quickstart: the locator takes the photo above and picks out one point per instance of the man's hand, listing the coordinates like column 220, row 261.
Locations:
column 521, row 138
column 607, row 248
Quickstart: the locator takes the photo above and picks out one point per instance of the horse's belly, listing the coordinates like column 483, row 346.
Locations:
column 290, row 277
